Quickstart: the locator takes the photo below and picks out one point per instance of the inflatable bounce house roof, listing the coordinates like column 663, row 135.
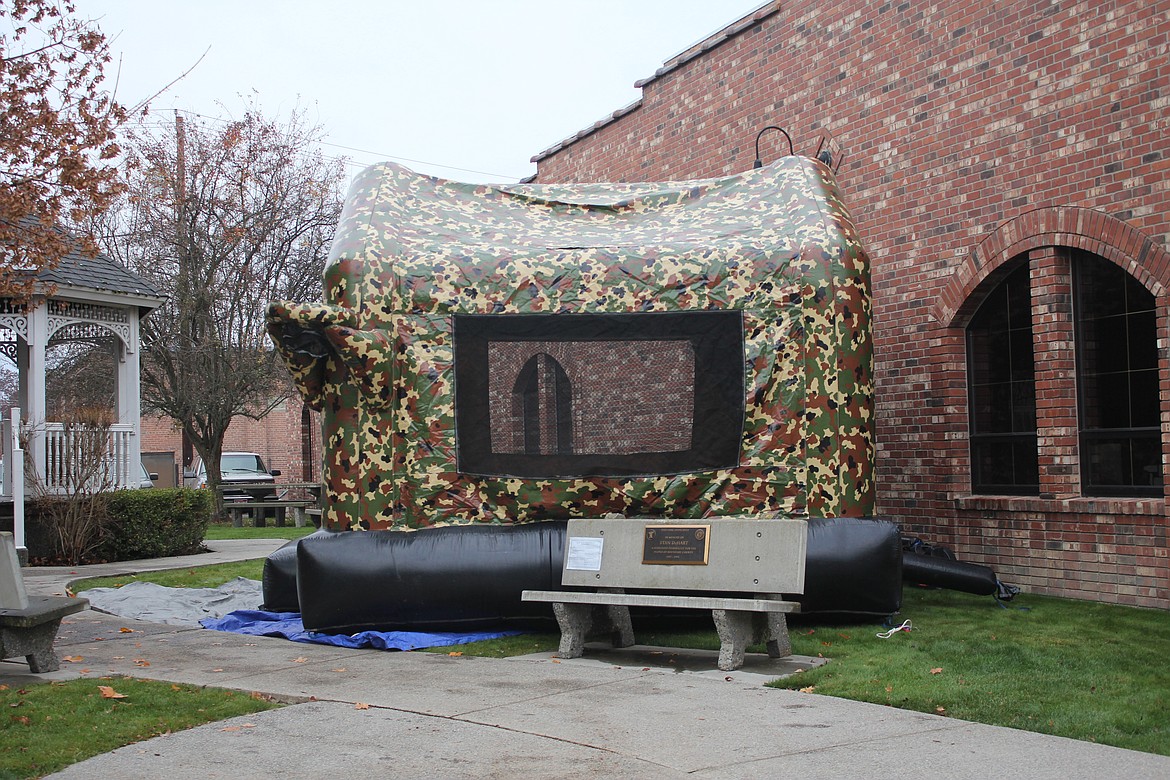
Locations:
column 516, row 353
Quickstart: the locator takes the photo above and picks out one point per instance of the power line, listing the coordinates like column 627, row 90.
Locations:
column 346, row 160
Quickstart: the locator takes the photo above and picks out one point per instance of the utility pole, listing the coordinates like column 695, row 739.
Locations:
column 183, row 248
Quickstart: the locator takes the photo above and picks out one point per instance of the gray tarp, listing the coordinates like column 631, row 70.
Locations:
column 176, row 606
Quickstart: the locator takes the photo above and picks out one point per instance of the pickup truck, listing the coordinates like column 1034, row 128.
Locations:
column 239, row 468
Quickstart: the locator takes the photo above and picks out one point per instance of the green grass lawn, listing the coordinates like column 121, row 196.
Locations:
column 1079, row 669
column 191, row 577
column 48, row 726
column 228, row 531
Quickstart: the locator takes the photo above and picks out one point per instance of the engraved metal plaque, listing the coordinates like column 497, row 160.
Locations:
column 676, row 544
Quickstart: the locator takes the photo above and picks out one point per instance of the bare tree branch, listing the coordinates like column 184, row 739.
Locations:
column 223, row 219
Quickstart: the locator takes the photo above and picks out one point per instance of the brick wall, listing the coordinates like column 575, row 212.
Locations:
column 973, row 133
column 278, row 438
column 627, row 397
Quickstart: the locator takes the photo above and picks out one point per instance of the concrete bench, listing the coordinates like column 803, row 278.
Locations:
column 689, row 565
column 28, row 624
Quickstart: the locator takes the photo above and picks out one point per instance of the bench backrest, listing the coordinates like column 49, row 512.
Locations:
column 715, row 554
column 12, row 593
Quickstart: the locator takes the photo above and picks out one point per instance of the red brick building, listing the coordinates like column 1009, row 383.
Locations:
column 289, row 439
column 628, row 398
column 1008, row 165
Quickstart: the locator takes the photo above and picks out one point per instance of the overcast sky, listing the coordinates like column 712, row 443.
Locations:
column 465, row 89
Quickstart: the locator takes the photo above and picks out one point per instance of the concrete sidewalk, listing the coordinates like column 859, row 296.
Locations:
column 629, row 715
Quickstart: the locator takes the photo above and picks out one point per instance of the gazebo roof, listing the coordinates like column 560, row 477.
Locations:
column 98, row 273
column 81, row 272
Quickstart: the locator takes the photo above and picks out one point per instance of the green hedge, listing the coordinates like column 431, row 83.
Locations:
column 155, row 523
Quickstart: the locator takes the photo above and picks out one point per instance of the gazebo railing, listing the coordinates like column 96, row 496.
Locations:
column 76, row 457
column 80, row 456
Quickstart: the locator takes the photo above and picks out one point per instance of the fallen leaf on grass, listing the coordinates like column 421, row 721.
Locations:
column 361, row 706
column 936, row 670
column 110, row 693
column 941, row 710
column 809, row 689
column 455, row 654
column 23, row 720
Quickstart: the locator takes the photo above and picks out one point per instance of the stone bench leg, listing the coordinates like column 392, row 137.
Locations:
column 738, row 629
column 578, row 621
column 34, row 643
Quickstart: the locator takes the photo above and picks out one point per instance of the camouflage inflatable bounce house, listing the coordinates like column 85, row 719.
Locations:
column 519, row 354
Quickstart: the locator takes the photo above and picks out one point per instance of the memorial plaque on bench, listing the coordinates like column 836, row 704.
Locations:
column 724, row 553
column 666, row 545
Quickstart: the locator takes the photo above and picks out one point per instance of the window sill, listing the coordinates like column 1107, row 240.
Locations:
column 1062, row 505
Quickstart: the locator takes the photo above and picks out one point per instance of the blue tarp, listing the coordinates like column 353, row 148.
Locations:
column 289, row 626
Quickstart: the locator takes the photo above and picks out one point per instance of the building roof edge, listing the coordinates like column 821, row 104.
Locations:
column 675, row 62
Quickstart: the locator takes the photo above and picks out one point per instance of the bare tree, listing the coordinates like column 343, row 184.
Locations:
column 58, row 144
column 80, row 375
column 223, row 217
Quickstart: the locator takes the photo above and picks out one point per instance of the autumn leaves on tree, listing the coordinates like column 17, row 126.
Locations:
column 59, row 141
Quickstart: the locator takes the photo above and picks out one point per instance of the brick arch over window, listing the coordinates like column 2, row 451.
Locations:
column 1066, row 226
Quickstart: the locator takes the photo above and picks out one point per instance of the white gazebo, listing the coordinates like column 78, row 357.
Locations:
column 92, row 299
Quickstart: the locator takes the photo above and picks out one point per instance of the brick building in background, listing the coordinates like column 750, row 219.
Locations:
column 1008, row 166
column 288, row 439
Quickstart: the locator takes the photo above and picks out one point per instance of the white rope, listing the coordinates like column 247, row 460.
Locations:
column 906, row 626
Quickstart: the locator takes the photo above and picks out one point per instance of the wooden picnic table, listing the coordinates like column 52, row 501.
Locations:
column 283, row 503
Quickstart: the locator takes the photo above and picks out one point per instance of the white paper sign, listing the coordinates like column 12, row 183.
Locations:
column 584, row 553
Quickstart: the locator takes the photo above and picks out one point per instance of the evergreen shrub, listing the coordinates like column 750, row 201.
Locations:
column 155, row 523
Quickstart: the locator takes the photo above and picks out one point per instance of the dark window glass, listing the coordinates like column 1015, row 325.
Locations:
column 1002, row 389
column 1117, row 381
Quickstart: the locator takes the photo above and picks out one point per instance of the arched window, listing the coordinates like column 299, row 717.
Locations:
column 543, row 401
column 1117, row 380
column 1001, row 383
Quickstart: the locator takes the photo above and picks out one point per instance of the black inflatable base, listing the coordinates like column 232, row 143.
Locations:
column 946, row 573
column 471, row 577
